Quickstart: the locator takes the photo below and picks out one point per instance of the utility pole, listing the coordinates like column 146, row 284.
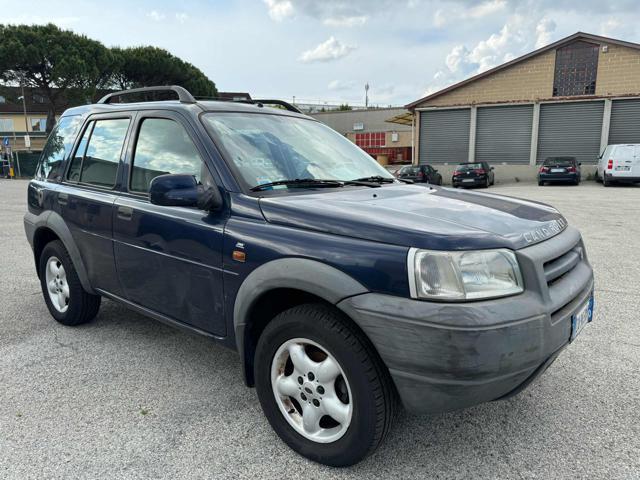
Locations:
column 26, row 120
column 366, row 95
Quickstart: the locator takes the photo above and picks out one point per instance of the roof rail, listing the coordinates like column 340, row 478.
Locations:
column 251, row 101
column 282, row 103
column 183, row 94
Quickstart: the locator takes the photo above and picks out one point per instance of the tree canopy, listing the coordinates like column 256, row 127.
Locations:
column 70, row 69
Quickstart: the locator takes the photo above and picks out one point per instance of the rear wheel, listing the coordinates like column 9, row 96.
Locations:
column 322, row 387
column 66, row 300
column 540, row 183
column 606, row 181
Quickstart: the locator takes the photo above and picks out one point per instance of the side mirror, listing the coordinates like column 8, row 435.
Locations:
column 491, row 168
column 579, row 163
column 182, row 190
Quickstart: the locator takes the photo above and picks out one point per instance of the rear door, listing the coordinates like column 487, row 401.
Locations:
column 623, row 161
column 169, row 259
column 89, row 191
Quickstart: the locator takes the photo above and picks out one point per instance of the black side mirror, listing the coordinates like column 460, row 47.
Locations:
column 491, row 168
column 182, row 190
column 579, row 163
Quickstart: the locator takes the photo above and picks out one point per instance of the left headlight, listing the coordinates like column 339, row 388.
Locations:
column 462, row 276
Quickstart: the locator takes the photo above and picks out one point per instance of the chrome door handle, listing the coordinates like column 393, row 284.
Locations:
column 125, row 213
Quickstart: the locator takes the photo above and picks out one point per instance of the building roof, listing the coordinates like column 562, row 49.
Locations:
column 370, row 120
column 564, row 41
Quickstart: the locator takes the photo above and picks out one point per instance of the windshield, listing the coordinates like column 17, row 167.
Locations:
column 468, row 166
column 271, row 148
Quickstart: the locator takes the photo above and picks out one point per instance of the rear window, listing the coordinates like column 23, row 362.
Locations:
column 409, row 170
column 468, row 166
column 560, row 162
column 98, row 155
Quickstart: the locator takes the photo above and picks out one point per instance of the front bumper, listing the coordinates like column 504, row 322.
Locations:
column 445, row 356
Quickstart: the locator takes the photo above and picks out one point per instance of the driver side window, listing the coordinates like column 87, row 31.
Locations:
column 163, row 146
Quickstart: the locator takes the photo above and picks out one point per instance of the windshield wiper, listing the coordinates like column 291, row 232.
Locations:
column 302, row 182
column 374, row 179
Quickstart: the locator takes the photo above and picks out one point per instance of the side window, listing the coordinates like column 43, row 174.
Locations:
column 98, row 155
column 58, row 145
column 163, row 147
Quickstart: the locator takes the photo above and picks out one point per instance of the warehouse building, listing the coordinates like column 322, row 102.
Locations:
column 389, row 143
column 570, row 98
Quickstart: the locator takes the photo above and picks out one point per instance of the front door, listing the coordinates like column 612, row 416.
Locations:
column 169, row 259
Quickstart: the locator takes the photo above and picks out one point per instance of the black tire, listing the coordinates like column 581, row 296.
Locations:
column 440, row 181
column 605, row 181
column 82, row 306
column 373, row 394
column 486, row 183
column 540, row 183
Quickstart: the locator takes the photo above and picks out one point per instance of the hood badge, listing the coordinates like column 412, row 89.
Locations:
column 543, row 233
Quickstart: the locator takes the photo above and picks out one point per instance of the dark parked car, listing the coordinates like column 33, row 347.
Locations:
column 476, row 174
column 559, row 170
column 420, row 174
column 342, row 288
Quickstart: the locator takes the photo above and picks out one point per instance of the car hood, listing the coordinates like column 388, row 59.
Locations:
column 418, row 216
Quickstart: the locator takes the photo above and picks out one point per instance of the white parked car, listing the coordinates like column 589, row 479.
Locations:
column 619, row 164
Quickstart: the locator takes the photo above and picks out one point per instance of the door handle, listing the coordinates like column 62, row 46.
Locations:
column 63, row 198
column 125, row 213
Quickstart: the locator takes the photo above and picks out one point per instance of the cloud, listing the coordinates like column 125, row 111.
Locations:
column 519, row 35
column 156, row 16
column 463, row 12
column 341, row 85
column 344, row 21
column 279, row 9
column 182, row 17
column 330, row 50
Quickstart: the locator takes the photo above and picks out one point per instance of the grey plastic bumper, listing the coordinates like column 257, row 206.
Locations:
column 445, row 357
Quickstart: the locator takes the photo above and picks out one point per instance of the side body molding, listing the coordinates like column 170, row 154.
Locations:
column 310, row 276
column 54, row 222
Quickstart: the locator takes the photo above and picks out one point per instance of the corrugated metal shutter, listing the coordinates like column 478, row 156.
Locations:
column 570, row 129
column 503, row 134
column 625, row 122
column 444, row 135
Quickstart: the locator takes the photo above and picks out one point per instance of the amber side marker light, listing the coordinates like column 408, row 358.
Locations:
column 239, row 256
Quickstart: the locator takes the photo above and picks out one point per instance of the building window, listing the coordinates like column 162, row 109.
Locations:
column 368, row 140
column 6, row 125
column 576, row 69
column 38, row 124
column 2, row 99
column 37, row 98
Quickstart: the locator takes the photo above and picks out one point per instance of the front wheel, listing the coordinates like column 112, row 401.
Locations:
column 322, row 387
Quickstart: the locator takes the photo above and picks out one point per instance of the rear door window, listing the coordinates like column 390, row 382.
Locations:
column 98, row 155
column 58, row 145
column 468, row 166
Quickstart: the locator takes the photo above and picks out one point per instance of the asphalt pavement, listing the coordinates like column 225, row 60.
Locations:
column 128, row 397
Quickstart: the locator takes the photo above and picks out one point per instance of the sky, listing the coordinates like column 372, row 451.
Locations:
column 326, row 50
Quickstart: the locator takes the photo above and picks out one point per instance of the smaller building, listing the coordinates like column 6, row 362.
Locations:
column 23, row 132
column 389, row 143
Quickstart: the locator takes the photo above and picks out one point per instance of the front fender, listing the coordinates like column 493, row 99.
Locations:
column 310, row 276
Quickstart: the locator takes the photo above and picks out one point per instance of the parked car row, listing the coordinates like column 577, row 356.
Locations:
column 617, row 164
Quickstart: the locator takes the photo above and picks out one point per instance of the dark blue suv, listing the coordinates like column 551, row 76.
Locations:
column 344, row 290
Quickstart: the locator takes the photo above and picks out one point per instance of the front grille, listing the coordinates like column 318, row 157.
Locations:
column 558, row 267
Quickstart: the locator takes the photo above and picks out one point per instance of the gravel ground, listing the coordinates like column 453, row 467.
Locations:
column 127, row 397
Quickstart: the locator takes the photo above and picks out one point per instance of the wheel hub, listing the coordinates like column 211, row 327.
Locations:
column 305, row 390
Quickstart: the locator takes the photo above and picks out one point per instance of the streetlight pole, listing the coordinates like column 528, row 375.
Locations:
column 26, row 120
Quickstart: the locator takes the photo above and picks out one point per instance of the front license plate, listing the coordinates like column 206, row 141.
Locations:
column 579, row 319
column 468, row 180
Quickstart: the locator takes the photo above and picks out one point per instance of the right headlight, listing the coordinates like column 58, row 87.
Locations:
column 462, row 276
